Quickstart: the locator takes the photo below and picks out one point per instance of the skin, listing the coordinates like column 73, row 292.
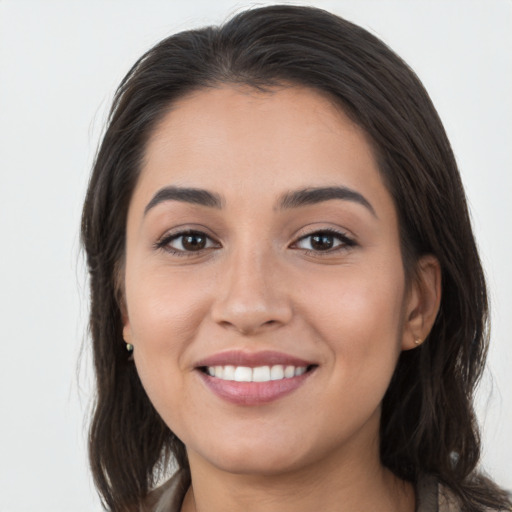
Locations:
column 259, row 285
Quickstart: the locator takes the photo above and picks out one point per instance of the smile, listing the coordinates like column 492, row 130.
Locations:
column 257, row 374
column 257, row 378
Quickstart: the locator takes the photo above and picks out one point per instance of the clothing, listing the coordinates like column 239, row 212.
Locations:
column 431, row 496
column 169, row 496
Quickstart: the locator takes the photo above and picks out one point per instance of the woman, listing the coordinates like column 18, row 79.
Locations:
column 277, row 232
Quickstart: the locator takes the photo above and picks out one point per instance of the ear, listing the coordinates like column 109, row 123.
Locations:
column 422, row 303
column 121, row 301
column 127, row 330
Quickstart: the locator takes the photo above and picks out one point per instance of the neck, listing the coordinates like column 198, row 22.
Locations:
column 340, row 481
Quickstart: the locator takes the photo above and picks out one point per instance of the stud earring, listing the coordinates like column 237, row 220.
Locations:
column 417, row 341
column 129, row 347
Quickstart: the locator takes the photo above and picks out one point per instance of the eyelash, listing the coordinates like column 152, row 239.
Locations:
column 346, row 242
column 164, row 242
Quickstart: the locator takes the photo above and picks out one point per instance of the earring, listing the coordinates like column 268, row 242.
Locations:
column 417, row 341
column 129, row 347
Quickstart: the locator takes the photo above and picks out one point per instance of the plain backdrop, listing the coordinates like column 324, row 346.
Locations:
column 60, row 63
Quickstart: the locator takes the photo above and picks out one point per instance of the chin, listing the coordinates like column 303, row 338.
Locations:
column 251, row 465
column 262, row 458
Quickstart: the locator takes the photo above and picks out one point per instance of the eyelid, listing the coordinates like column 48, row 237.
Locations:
column 347, row 240
column 163, row 242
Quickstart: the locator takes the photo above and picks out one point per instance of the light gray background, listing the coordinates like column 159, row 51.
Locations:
column 59, row 65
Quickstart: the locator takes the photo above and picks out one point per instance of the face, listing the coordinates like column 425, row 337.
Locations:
column 264, row 286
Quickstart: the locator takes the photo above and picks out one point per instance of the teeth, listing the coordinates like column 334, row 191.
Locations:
column 229, row 373
column 243, row 374
column 289, row 371
column 257, row 374
column 300, row 370
column 277, row 372
column 261, row 374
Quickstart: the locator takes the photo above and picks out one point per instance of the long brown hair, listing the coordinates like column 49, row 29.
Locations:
column 428, row 423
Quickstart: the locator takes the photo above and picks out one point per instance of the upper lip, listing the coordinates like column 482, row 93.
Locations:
column 252, row 359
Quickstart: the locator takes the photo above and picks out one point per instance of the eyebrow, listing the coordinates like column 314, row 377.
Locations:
column 185, row 195
column 314, row 195
column 289, row 200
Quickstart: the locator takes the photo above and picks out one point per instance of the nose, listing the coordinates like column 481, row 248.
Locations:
column 253, row 296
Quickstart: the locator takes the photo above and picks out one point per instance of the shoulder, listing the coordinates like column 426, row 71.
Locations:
column 168, row 497
column 433, row 496
column 447, row 500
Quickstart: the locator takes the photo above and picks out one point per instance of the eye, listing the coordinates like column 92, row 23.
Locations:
column 324, row 241
column 186, row 242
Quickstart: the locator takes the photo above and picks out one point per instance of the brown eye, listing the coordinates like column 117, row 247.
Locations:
column 193, row 241
column 186, row 242
column 324, row 241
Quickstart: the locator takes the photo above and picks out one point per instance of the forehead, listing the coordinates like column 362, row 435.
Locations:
column 235, row 138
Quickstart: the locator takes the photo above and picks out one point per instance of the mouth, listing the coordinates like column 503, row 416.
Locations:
column 256, row 374
column 254, row 378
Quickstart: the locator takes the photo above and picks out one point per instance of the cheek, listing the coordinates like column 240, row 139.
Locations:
column 360, row 322
column 360, row 315
column 163, row 309
column 164, row 315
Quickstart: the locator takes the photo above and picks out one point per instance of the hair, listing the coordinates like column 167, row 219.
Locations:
column 428, row 423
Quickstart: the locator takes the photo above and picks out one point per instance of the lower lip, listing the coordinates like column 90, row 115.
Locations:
column 253, row 393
